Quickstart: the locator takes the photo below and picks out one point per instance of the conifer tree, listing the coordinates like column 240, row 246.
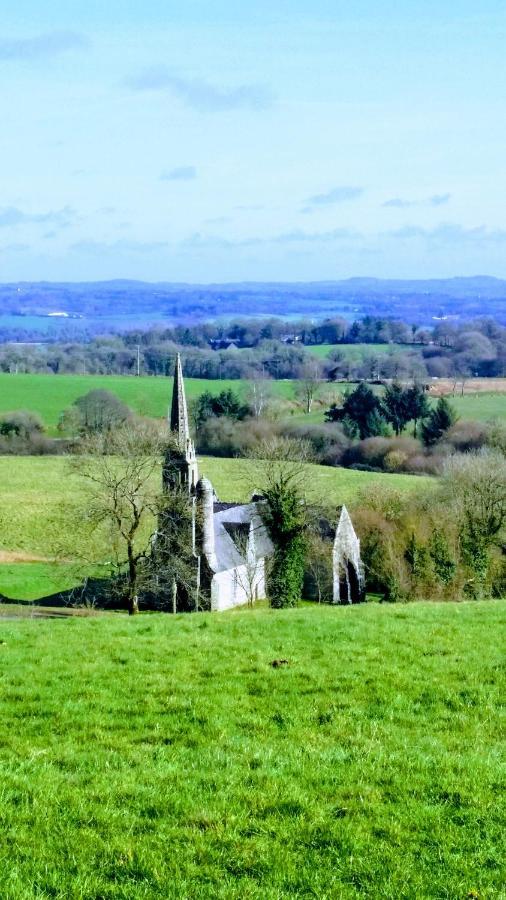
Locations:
column 441, row 418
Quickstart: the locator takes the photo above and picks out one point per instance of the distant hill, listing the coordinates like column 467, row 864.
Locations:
column 123, row 305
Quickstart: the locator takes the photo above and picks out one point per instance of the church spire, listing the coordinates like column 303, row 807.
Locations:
column 179, row 411
column 184, row 468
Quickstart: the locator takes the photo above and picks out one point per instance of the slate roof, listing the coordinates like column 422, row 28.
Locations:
column 234, row 519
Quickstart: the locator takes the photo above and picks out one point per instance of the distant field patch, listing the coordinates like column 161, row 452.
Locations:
column 481, row 407
column 49, row 395
column 32, row 580
column 357, row 352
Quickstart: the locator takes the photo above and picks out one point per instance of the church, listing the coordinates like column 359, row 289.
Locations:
column 230, row 542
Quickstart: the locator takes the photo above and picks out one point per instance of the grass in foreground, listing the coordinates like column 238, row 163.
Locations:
column 164, row 757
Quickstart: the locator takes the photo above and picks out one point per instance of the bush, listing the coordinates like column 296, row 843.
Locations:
column 226, row 437
column 21, row 424
column 328, row 442
column 22, row 434
column 395, row 461
column 466, row 436
column 383, row 454
column 96, row 412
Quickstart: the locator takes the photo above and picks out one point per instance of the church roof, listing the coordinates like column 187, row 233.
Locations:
column 233, row 521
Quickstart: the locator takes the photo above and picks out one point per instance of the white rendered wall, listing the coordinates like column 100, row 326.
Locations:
column 235, row 587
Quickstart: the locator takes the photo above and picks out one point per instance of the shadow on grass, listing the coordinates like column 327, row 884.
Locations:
column 93, row 595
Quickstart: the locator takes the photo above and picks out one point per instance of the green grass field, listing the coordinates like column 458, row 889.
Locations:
column 25, row 581
column 480, row 407
column 49, row 395
column 164, row 758
column 483, row 407
column 359, row 351
column 40, row 493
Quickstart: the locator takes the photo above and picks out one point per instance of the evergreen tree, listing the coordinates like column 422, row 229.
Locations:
column 285, row 518
column 440, row 419
column 226, row 403
column 418, row 405
column 395, row 406
column 361, row 412
column 282, row 478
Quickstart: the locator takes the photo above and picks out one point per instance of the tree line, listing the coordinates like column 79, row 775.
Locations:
column 273, row 349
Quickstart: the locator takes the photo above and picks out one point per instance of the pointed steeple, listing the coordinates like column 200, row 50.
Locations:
column 179, row 410
column 184, row 469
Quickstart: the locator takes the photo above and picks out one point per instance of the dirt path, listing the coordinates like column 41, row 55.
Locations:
column 19, row 556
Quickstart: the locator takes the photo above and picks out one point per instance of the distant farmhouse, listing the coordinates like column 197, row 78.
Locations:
column 223, row 344
column 230, row 543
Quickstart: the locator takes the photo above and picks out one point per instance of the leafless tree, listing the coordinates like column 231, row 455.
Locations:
column 258, row 396
column 308, row 385
column 249, row 574
column 120, row 470
column 171, row 575
column 475, row 486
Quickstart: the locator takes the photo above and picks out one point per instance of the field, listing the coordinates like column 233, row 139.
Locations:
column 361, row 351
column 165, row 757
column 483, row 407
column 49, row 395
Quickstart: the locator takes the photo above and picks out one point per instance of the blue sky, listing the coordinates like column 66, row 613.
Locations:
column 282, row 140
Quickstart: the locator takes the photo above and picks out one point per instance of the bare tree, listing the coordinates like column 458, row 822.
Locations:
column 475, row 484
column 319, row 567
column 171, row 574
column 259, row 396
column 120, row 470
column 307, row 386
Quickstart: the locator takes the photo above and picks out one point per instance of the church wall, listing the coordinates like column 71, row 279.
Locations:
column 234, row 587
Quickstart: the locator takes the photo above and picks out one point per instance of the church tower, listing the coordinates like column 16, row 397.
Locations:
column 180, row 466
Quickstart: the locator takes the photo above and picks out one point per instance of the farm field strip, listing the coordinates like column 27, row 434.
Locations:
column 49, row 395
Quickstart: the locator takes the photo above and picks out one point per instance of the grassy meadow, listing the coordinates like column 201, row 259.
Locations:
column 165, row 757
column 361, row 351
column 43, row 535
column 49, row 395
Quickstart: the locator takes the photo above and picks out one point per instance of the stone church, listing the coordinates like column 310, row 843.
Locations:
column 230, row 542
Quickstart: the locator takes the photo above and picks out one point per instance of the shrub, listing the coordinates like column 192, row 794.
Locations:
column 328, row 442
column 20, row 423
column 96, row 412
column 465, row 436
column 395, row 460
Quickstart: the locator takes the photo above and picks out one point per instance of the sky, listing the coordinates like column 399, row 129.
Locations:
column 225, row 141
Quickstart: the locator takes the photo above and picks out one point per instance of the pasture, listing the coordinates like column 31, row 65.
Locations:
column 41, row 519
column 358, row 352
column 49, row 395
column 482, row 407
column 164, row 757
